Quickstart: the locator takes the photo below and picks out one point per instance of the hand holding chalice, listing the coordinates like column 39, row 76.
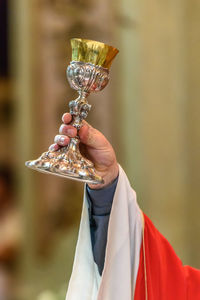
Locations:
column 88, row 72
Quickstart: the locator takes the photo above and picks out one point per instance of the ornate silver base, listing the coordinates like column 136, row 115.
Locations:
column 67, row 162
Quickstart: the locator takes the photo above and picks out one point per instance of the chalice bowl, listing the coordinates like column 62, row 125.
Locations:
column 87, row 72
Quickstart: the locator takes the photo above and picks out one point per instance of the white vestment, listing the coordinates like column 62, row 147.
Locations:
column 122, row 251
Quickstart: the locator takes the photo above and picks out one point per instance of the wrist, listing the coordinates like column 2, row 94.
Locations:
column 108, row 175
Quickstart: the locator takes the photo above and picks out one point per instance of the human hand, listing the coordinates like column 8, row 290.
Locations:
column 93, row 145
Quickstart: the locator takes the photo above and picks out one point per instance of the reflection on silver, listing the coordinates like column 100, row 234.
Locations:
column 68, row 161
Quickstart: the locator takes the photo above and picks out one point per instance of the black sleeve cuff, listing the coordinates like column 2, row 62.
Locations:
column 100, row 200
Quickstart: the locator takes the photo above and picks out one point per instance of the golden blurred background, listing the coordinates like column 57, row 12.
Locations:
column 150, row 112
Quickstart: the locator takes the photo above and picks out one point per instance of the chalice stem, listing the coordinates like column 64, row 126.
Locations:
column 79, row 109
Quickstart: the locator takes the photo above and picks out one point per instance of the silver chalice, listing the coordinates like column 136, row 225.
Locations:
column 87, row 72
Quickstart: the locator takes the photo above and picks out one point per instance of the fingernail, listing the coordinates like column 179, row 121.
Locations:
column 54, row 147
column 62, row 139
column 61, row 128
column 59, row 139
column 51, row 148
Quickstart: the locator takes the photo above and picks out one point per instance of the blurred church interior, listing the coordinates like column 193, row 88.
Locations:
column 149, row 111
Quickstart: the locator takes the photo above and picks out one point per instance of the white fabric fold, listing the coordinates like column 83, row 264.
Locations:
column 122, row 251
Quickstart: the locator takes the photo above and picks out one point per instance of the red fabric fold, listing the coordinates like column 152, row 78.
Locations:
column 161, row 274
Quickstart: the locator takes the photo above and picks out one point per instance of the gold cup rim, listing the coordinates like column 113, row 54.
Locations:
column 90, row 51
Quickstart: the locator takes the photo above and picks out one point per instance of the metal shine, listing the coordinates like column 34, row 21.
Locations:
column 85, row 77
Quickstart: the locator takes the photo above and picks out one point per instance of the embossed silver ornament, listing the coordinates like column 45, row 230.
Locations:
column 88, row 72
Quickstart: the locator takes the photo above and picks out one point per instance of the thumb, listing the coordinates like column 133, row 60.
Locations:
column 92, row 137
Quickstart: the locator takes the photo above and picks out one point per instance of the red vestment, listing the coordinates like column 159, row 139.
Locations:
column 161, row 274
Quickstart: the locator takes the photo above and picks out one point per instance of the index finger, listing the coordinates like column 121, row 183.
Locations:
column 66, row 118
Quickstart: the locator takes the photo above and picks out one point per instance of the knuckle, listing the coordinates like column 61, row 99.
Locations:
column 62, row 127
column 66, row 118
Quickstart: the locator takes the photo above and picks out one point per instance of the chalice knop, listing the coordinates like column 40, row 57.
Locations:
column 87, row 72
